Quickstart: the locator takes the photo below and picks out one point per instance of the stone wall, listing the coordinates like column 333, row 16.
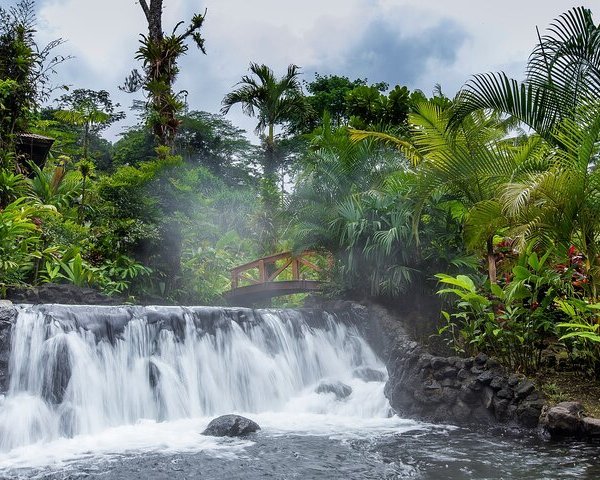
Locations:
column 445, row 389
column 7, row 316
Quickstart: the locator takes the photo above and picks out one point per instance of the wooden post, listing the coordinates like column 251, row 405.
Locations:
column 295, row 269
column 261, row 271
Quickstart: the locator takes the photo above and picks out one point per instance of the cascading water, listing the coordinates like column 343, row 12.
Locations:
column 79, row 370
column 125, row 392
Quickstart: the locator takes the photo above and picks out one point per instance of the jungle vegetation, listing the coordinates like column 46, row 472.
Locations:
column 490, row 198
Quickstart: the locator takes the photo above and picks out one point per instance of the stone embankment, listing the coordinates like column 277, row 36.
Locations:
column 462, row 391
column 446, row 388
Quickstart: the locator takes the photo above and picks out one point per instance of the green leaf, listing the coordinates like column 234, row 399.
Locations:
column 497, row 290
column 521, row 273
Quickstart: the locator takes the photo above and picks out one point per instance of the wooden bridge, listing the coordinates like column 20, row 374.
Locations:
column 274, row 276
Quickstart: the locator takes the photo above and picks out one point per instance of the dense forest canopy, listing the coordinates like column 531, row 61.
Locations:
column 492, row 197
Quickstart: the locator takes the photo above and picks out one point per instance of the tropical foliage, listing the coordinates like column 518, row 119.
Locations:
column 497, row 188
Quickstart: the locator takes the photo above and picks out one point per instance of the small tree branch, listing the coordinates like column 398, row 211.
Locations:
column 145, row 8
column 196, row 24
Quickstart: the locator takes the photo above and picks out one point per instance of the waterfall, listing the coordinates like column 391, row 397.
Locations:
column 78, row 370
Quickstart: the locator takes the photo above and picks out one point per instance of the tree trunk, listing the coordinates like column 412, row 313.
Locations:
column 82, row 205
column 491, row 258
column 154, row 17
column 86, row 139
column 269, row 194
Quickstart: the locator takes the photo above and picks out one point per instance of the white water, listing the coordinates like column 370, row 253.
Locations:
column 73, row 393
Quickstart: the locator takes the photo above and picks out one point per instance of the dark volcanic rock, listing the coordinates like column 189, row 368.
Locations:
column 63, row 294
column 472, row 390
column 341, row 390
column 564, row 420
column 57, row 372
column 591, row 427
column 8, row 314
column 367, row 374
column 231, row 426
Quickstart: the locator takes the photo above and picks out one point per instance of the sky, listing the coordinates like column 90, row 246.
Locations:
column 417, row 43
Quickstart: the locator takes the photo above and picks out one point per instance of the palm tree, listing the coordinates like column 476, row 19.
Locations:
column 273, row 102
column 563, row 73
column 471, row 164
column 86, row 116
column 555, row 200
column 558, row 203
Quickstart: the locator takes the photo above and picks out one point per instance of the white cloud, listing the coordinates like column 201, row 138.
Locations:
column 321, row 35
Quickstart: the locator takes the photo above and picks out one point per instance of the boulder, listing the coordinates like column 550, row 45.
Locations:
column 341, row 390
column 367, row 374
column 564, row 420
column 591, row 427
column 8, row 314
column 231, row 426
column 7, row 311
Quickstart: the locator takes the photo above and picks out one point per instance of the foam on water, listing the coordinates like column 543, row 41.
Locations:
column 84, row 382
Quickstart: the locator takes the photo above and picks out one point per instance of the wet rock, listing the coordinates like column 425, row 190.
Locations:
column 468, row 395
column 231, row 426
column 367, row 374
column 57, row 373
column 505, row 393
column 442, row 413
column 439, row 362
column 7, row 316
column 564, row 420
column 480, row 359
column 341, row 390
column 500, row 407
column 457, row 390
column 461, row 411
column 449, row 395
column 524, row 388
column 468, row 362
column 7, row 311
column 482, row 415
column 498, row 383
column 591, row 427
column 153, row 374
column 473, row 385
column 488, row 397
column 448, row 372
column 513, row 379
column 528, row 413
column 431, row 385
column 63, row 294
column 454, row 361
column 486, row 377
column 449, row 382
column 424, row 361
column 428, row 397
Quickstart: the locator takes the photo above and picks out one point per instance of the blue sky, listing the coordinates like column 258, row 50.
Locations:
column 417, row 43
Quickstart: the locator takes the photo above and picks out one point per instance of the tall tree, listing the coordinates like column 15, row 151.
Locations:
column 25, row 68
column 556, row 201
column 563, row 73
column 159, row 54
column 273, row 102
column 90, row 110
column 472, row 165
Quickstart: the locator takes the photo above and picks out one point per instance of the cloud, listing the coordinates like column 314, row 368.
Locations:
column 384, row 53
column 413, row 42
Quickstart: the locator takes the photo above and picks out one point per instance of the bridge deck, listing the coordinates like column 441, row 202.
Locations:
column 267, row 290
column 259, row 280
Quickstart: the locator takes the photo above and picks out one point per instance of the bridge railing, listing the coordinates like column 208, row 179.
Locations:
column 275, row 267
